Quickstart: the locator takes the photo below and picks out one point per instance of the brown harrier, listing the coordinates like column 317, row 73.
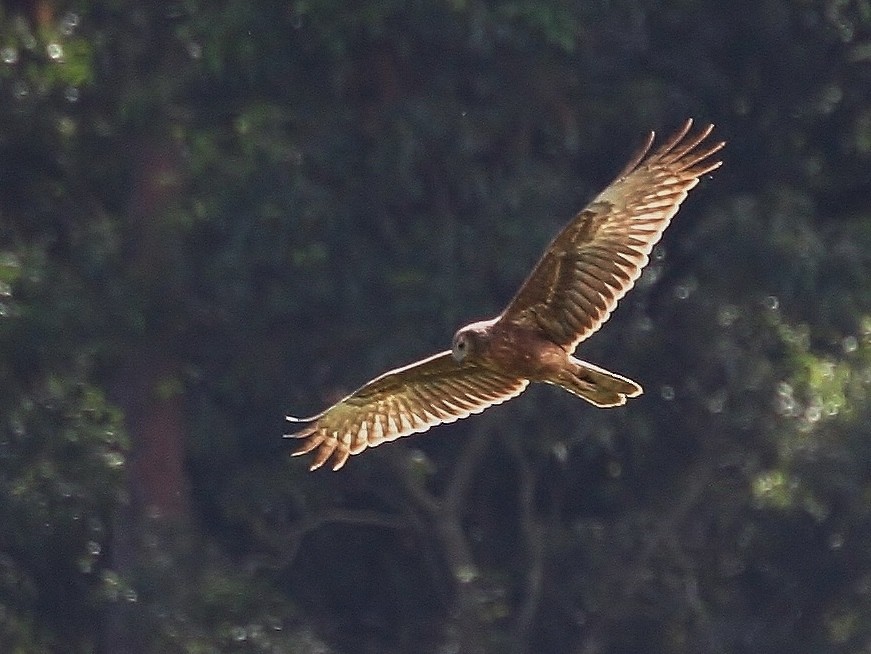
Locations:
column 588, row 267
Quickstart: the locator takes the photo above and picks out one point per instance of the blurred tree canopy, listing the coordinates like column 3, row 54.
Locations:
column 213, row 213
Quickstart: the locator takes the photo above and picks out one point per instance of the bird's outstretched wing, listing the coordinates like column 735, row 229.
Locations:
column 598, row 256
column 403, row 401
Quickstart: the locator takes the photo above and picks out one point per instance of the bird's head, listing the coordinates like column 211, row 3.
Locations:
column 470, row 340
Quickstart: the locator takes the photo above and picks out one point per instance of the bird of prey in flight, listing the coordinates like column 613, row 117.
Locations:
column 589, row 266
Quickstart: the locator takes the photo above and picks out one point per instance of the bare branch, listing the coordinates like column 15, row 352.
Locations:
column 535, row 547
column 476, row 446
column 286, row 542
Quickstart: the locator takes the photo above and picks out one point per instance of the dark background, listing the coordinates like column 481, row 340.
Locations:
column 214, row 213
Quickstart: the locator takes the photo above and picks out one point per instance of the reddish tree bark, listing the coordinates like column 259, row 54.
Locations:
column 154, row 404
column 147, row 387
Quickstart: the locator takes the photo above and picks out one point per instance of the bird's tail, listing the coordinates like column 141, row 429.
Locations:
column 596, row 385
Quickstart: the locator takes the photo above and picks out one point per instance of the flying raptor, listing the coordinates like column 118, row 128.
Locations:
column 589, row 266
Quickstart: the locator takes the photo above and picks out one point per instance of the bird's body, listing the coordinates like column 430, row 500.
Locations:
column 525, row 352
column 531, row 355
column 573, row 289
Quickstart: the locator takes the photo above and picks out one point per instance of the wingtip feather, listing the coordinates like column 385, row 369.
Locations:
column 673, row 148
column 309, row 419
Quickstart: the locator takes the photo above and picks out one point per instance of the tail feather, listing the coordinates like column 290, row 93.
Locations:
column 596, row 385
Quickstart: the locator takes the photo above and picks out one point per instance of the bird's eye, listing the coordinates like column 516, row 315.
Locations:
column 460, row 348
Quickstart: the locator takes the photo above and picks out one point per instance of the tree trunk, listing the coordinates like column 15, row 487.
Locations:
column 147, row 388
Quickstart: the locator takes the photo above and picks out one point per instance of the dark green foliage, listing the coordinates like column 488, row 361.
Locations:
column 61, row 458
column 215, row 212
